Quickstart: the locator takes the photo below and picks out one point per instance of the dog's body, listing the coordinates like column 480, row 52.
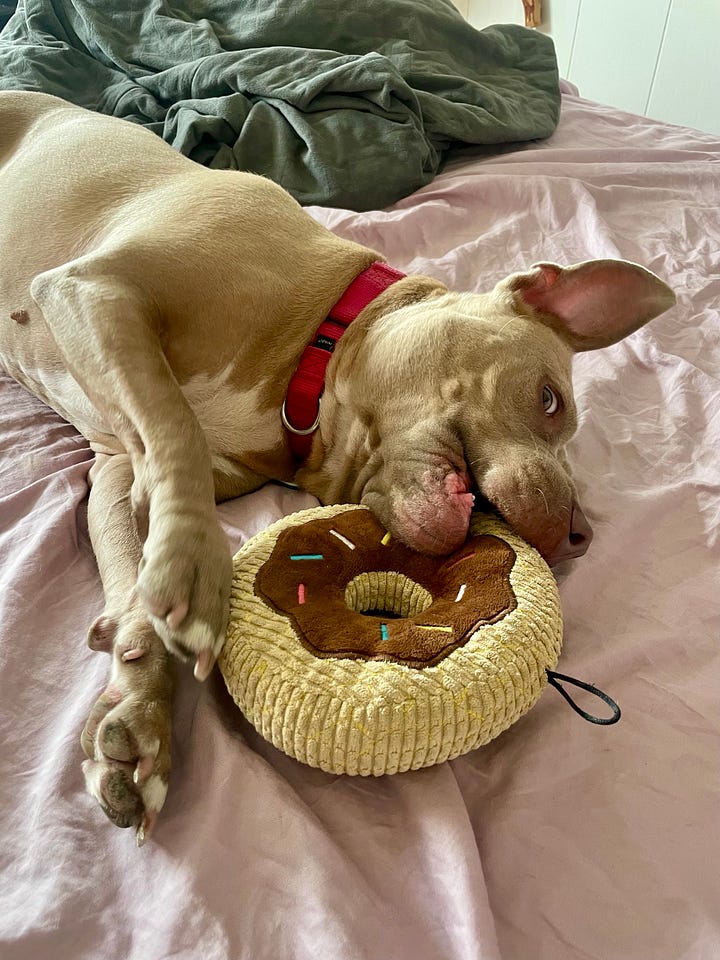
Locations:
column 162, row 308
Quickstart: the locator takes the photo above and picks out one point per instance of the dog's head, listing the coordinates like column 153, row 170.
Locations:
column 458, row 393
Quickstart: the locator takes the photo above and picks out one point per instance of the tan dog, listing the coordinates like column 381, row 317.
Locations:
column 162, row 307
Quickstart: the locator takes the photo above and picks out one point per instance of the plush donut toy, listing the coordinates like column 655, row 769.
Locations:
column 353, row 653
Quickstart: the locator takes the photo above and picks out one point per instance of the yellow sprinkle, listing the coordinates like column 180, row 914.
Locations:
column 428, row 626
column 386, row 539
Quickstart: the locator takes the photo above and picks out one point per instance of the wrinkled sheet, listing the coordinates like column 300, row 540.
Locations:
column 354, row 110
column 559, row 840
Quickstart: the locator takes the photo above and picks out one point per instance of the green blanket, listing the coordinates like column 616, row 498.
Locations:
column 349, row 103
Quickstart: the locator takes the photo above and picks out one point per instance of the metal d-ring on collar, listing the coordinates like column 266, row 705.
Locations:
column 295, row 430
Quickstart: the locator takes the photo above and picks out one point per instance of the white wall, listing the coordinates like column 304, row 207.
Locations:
column 657, row 57
column 463, row 6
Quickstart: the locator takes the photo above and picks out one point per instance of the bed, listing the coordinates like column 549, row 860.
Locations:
column 560, row 840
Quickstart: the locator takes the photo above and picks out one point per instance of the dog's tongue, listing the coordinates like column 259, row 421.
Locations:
column 437, row 520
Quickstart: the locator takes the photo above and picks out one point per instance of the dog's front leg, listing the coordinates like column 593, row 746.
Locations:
column 109, row 337
column 127, row 735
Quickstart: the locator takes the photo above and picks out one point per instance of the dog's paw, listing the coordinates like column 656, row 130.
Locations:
column 184, row 584
column 127, row 738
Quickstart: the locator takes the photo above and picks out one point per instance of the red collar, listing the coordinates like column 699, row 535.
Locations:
column 301, row 408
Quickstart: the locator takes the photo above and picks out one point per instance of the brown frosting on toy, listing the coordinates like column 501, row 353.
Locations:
column 424, row 588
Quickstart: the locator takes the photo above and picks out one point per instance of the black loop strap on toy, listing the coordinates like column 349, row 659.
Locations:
column 553, row 680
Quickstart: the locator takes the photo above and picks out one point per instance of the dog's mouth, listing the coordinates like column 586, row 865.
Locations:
column 563, row 544
column 433, row 516
column 481, row 504
column 436, row 519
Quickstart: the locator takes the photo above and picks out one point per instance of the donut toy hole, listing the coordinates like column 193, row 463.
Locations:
column 383, row 614
column 386, row 593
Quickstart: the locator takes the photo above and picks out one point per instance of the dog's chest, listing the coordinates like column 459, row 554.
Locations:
column 236, row 422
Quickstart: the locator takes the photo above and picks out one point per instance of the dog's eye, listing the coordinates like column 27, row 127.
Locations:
column 550, row 401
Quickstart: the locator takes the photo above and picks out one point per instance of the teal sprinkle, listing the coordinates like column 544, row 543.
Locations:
column 383, row 631
column 306, row 556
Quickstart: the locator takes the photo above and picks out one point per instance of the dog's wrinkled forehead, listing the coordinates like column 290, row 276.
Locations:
column 511, row 362
column 453, row 325
column 469, row 347
column 475, row 363
column 489, row 329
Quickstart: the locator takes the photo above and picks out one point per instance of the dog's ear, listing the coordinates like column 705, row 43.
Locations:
column 596, row 303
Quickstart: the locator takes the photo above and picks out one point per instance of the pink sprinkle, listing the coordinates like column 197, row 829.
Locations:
column 301, row 593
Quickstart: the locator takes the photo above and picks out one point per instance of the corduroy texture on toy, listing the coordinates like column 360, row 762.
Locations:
column 371, row 694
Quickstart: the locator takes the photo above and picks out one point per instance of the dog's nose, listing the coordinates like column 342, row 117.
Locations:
column 576, row 542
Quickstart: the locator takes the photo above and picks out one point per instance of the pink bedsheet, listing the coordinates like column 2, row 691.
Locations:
column 558, row 841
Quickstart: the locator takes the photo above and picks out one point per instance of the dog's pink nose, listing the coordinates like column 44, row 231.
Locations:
column 576, row 542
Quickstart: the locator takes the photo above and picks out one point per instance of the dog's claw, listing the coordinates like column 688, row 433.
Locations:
column 134, row 654
column 177, row 615
column 144, row 768
column 204, row 664
column 145, row 828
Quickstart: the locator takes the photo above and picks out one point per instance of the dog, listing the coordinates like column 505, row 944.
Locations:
column 164, row 309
